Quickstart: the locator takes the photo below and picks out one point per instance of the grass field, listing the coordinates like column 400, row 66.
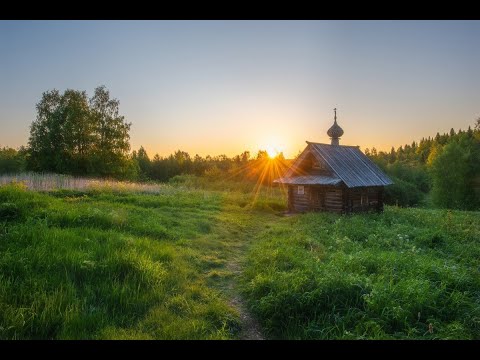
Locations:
column 403, row 274
column 193, row 260
column 121, row 265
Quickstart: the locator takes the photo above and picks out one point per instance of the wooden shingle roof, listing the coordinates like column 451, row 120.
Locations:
column 347, row 163
column 351, row 165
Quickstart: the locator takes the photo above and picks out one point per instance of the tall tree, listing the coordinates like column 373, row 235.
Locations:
column 45, row 142
column 112, row 133
column 144, row 163
column 77, row 132
column 76, row 135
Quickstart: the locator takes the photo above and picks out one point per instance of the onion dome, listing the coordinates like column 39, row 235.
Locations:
column 335, row 131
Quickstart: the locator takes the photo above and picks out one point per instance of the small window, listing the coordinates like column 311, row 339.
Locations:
column 301, row 190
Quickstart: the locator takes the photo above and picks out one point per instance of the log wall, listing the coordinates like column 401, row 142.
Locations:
column 363, row 199
column 299, row 202
column 335, row 199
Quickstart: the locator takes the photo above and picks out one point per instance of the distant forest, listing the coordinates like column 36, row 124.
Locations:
column 443, row 171
column 82, row 136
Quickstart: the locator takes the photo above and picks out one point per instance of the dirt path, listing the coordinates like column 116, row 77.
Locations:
column 236, row 231
column 227, row 246
column 251, row 329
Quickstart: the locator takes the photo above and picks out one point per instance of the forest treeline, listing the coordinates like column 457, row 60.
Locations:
column 443, row 170
column 239, row 167
column 141, row 167
column 77, row 135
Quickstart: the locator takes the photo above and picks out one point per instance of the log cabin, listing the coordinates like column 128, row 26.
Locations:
column 334, row 177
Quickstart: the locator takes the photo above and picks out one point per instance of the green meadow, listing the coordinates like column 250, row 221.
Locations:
column 402, row 274
column 202, row 260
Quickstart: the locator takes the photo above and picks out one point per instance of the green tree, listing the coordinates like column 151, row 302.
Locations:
column 392, row 156
column 144, row 164
column 12, row 160
column 45, row 142
column 61, row 136
column 245, row 156
column 112, row 142
column 76, row 127
column 76, row 135
column 454, row 169
column 262, row 154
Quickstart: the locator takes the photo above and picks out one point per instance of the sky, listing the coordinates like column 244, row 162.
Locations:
column 222, row 87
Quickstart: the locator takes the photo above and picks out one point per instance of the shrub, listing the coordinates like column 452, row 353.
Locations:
column 9, row 211
column 403, row 193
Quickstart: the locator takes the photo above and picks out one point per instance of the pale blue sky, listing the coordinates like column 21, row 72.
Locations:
column 213, row 87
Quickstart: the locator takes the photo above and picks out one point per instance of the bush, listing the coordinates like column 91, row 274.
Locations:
column 403, row 193
column 9, row 211
column 454, row 171
column 414, row 174
column 11, row 160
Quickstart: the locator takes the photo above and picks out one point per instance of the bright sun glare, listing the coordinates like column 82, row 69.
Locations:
column 272, row 151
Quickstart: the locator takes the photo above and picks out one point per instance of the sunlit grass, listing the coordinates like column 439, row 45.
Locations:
column 104, row 263
column 97, row 264
column 49, row 182
column 405, row 273
column 266, row 170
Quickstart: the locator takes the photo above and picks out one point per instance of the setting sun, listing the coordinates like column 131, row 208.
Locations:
column 272, row 151
column 239, row 180
column 273, row 145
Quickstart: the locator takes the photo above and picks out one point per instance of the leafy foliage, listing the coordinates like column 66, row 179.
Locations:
column 12, row 160
column 403, row 193
column 454, row 170
column 447, row 165
column 240, row 167
column 76, row 135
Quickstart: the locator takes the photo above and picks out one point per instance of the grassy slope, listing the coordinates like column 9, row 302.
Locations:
column 390, row 275
column 103, row 264
column 117, row 264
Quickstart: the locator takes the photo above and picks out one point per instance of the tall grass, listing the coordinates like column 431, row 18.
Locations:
column 406, row 273
column 249, row 195
column 139, row 261
column 49, row 182
column 101, row 265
